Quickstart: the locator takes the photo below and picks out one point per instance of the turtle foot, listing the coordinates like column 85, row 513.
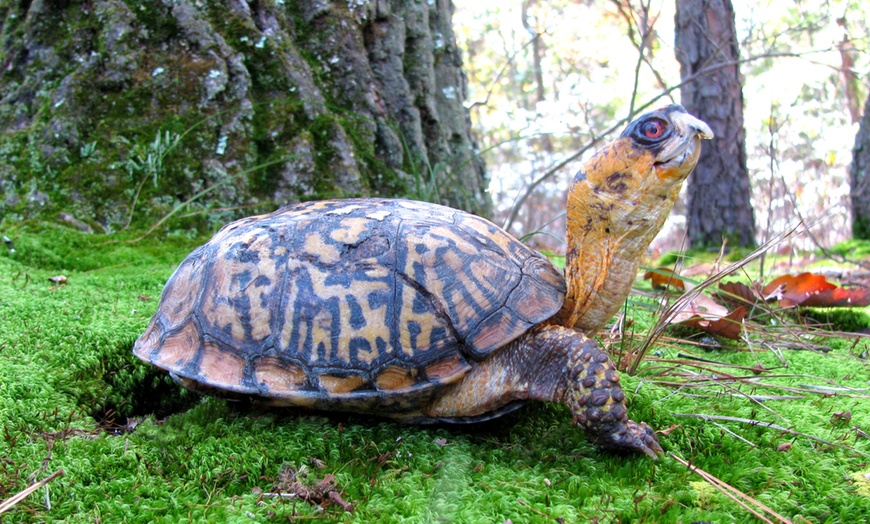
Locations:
column 636, row 436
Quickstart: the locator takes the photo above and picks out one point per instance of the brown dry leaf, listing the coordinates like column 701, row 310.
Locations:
column 707, row 315
column 703, row 307
column 662, row 277
column 729, row 326
column 322, row 493
column 740, row 293
column 813, row 290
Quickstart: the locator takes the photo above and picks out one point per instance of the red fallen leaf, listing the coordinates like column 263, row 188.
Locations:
column 662, row 277
column 785, row 446
column 812, row 290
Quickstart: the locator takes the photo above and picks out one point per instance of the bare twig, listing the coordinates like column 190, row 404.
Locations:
column 501, row 71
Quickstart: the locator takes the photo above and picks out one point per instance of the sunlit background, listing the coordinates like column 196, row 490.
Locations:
column 805, row 70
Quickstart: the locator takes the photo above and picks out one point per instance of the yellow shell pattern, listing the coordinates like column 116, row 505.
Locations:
column 373, row 301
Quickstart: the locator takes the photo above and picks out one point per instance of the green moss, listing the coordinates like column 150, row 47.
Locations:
column 855, row 248
column 379, row 177
column 848, row 320
column 70, row 382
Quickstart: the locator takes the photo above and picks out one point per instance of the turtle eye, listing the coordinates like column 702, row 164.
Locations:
column 652, row 129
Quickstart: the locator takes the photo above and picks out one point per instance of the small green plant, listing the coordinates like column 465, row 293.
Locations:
column 146, row 161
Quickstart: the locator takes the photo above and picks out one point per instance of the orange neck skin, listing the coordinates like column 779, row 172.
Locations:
column 617, row 205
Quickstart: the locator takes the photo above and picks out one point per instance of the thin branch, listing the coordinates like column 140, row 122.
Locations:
column 501, row 71
column 595, row 139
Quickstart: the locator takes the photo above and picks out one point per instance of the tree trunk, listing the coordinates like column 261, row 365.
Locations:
column 859, row 177
column 269, row 103
column 718, row 191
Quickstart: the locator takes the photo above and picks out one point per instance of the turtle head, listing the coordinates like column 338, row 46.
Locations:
column 653, row 156
column 617, row 204
column 669, row 141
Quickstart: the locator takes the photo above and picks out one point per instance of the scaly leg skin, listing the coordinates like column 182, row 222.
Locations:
column 598, row 403
column 552, row 364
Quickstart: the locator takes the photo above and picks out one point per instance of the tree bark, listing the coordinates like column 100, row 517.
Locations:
column 271, row 102
column 859, row 177
column 719, row 204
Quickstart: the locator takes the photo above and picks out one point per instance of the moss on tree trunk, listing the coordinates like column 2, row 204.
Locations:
column 113, row 102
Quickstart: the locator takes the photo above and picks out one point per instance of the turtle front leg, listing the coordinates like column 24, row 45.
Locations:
column 552, row 364
column 597, row 402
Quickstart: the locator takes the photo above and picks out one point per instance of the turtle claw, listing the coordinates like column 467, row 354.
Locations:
column 629, row 436
column 636, row 437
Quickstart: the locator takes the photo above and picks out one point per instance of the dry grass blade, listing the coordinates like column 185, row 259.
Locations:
column 682, row 303
column 763, row 424
column 733, row 493
column 7, row 504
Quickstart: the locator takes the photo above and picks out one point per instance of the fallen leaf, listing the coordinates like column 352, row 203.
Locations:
column 728, row 326
column 785, row 446
column 290, row 486
column 441, row 442
column 662, row 277
column 844, row 416
column 813, row 290
column 738, row 292
column 143, row 298
column 706, row 314
column 668, row 431
column 702, row 307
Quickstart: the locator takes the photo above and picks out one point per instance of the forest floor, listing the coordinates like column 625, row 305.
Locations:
column 779, row 422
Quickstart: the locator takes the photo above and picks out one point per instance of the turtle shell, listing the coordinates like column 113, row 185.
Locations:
column 347, row 304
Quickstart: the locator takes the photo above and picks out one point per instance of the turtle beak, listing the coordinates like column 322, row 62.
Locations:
column 679, row 156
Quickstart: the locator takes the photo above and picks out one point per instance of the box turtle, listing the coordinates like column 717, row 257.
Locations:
column 424, row 313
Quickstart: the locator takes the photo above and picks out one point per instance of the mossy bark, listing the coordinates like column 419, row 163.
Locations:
column 324, row 99
column 859, row 176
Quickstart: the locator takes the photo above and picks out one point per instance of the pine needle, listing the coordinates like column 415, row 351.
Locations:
column 680, row 304
column 771, row 425
column 7, row 504
column 734, row 494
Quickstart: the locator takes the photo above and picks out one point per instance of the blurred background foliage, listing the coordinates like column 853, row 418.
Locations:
column 548, row 79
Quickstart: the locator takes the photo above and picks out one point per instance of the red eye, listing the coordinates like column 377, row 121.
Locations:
column 652, row 129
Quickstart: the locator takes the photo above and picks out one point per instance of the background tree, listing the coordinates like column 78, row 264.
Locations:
column 112, row 110
column 860, row 178
column 719, row 204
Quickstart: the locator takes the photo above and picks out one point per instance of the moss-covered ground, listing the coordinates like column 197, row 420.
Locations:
column 135, row 448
